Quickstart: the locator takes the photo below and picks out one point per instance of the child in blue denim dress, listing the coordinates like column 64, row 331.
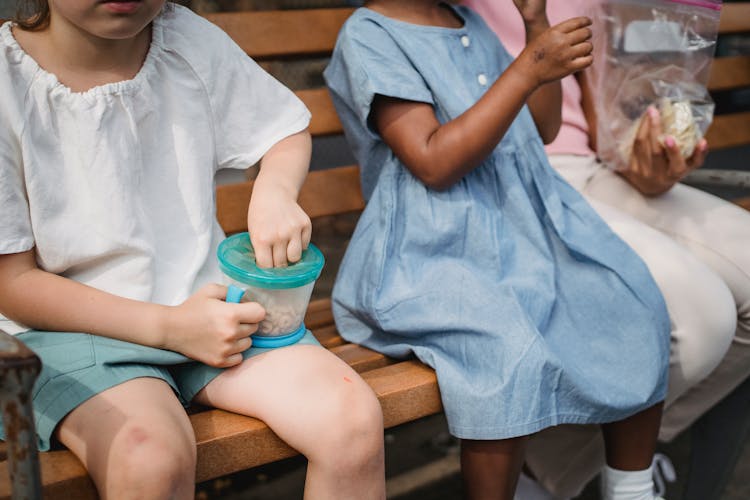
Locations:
column 475, row 256
column 114, row 119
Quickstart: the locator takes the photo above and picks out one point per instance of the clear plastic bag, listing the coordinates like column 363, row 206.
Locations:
column 652, row 52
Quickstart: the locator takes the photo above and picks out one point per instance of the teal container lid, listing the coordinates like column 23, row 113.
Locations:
column 237, row 260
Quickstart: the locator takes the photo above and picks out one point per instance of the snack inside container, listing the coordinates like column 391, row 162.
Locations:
column 284, row 292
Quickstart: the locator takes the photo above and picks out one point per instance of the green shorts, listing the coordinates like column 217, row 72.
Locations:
column 77, row 366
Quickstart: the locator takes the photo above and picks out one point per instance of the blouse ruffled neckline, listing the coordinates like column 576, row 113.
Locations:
column 113, row 88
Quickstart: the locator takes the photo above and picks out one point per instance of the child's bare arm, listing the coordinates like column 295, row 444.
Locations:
column 204, row 327
column 278, row 227
column 545, row 103
column 440, row 155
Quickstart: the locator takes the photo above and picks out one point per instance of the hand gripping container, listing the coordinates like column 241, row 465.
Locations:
column 284, row 292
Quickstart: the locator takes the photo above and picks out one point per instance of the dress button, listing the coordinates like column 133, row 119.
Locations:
column 465, row 41
column 482, row 79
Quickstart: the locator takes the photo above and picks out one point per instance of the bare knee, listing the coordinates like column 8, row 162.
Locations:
column 149, row 462
column 351, row 436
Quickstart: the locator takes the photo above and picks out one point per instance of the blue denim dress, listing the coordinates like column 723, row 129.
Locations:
column 530, row 309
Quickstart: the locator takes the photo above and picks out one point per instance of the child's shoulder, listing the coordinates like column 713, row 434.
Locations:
column 363, row 22
column 366, row 25
column 184, row 31
column 16, row 70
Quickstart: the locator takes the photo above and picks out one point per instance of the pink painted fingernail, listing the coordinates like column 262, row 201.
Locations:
column 670, row 142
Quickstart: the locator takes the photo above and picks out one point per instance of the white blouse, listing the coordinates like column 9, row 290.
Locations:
column 115, row 186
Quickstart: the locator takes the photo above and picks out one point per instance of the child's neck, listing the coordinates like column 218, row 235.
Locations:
column 81, row 61
column 424, row 12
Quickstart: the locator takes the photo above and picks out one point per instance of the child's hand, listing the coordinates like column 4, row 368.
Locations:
column 557, row 52
column 207, row 329
column 531, row 10
column 279, row 229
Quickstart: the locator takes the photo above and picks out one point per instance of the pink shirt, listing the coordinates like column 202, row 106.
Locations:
column 505, row 20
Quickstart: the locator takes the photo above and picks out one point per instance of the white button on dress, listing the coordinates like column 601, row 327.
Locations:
column 465, row 41
column 482, row 79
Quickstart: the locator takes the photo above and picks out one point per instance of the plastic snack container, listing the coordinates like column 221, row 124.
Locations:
column 284, row 292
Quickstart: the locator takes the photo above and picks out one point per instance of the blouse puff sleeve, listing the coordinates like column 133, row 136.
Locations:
column 250, row 110
column 15, row 222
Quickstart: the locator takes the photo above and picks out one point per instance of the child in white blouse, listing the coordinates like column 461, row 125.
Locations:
column 115, row 117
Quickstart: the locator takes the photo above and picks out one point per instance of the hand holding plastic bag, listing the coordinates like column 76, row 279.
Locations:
column 653, row 53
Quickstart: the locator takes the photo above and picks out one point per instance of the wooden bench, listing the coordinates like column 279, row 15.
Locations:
column 407, row 390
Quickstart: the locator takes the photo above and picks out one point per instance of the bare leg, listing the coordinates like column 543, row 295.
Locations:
column 319, row 406
column 135, row 440
column 490, row 469
column 630, row 444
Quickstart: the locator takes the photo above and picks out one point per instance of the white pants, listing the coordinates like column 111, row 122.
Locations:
column 697, row 247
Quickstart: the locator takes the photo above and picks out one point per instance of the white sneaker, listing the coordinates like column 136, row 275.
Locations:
column 529, row 489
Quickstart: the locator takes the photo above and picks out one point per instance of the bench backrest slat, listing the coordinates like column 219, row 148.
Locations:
column 729, row 131
column 326, row 192
column 729, row 73
column 283, row 33
column 735, row 18
column 325, row 120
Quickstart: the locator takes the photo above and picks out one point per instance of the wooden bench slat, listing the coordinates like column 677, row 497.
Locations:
column 735, row 18
column 728, row 131
column 332, row 192
column 328, row 192
column 62, row 474
column 325, row 120
column 728, row 73
column 328, row 336
column 229, row 443
column 361, row 359
column 319, row 314
column 278, row 33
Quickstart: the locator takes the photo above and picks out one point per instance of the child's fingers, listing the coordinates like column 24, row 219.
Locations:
column 573, row 24
column 233, row 360
column 279, row 254
column 306, row 236
column 249, row 314
column 581, row 50
column 242, row 345
column 580, row 35
column 214, row 291
column 263, row 255
column 580, row 63
column 294, row 249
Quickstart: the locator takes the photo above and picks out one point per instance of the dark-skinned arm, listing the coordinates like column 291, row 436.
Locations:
column 441, row 154
column 545, row 103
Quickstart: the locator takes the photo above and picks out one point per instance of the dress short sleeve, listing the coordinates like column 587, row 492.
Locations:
column 368, row 61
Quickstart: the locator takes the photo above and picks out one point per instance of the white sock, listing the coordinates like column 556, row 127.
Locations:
column 627, row 485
